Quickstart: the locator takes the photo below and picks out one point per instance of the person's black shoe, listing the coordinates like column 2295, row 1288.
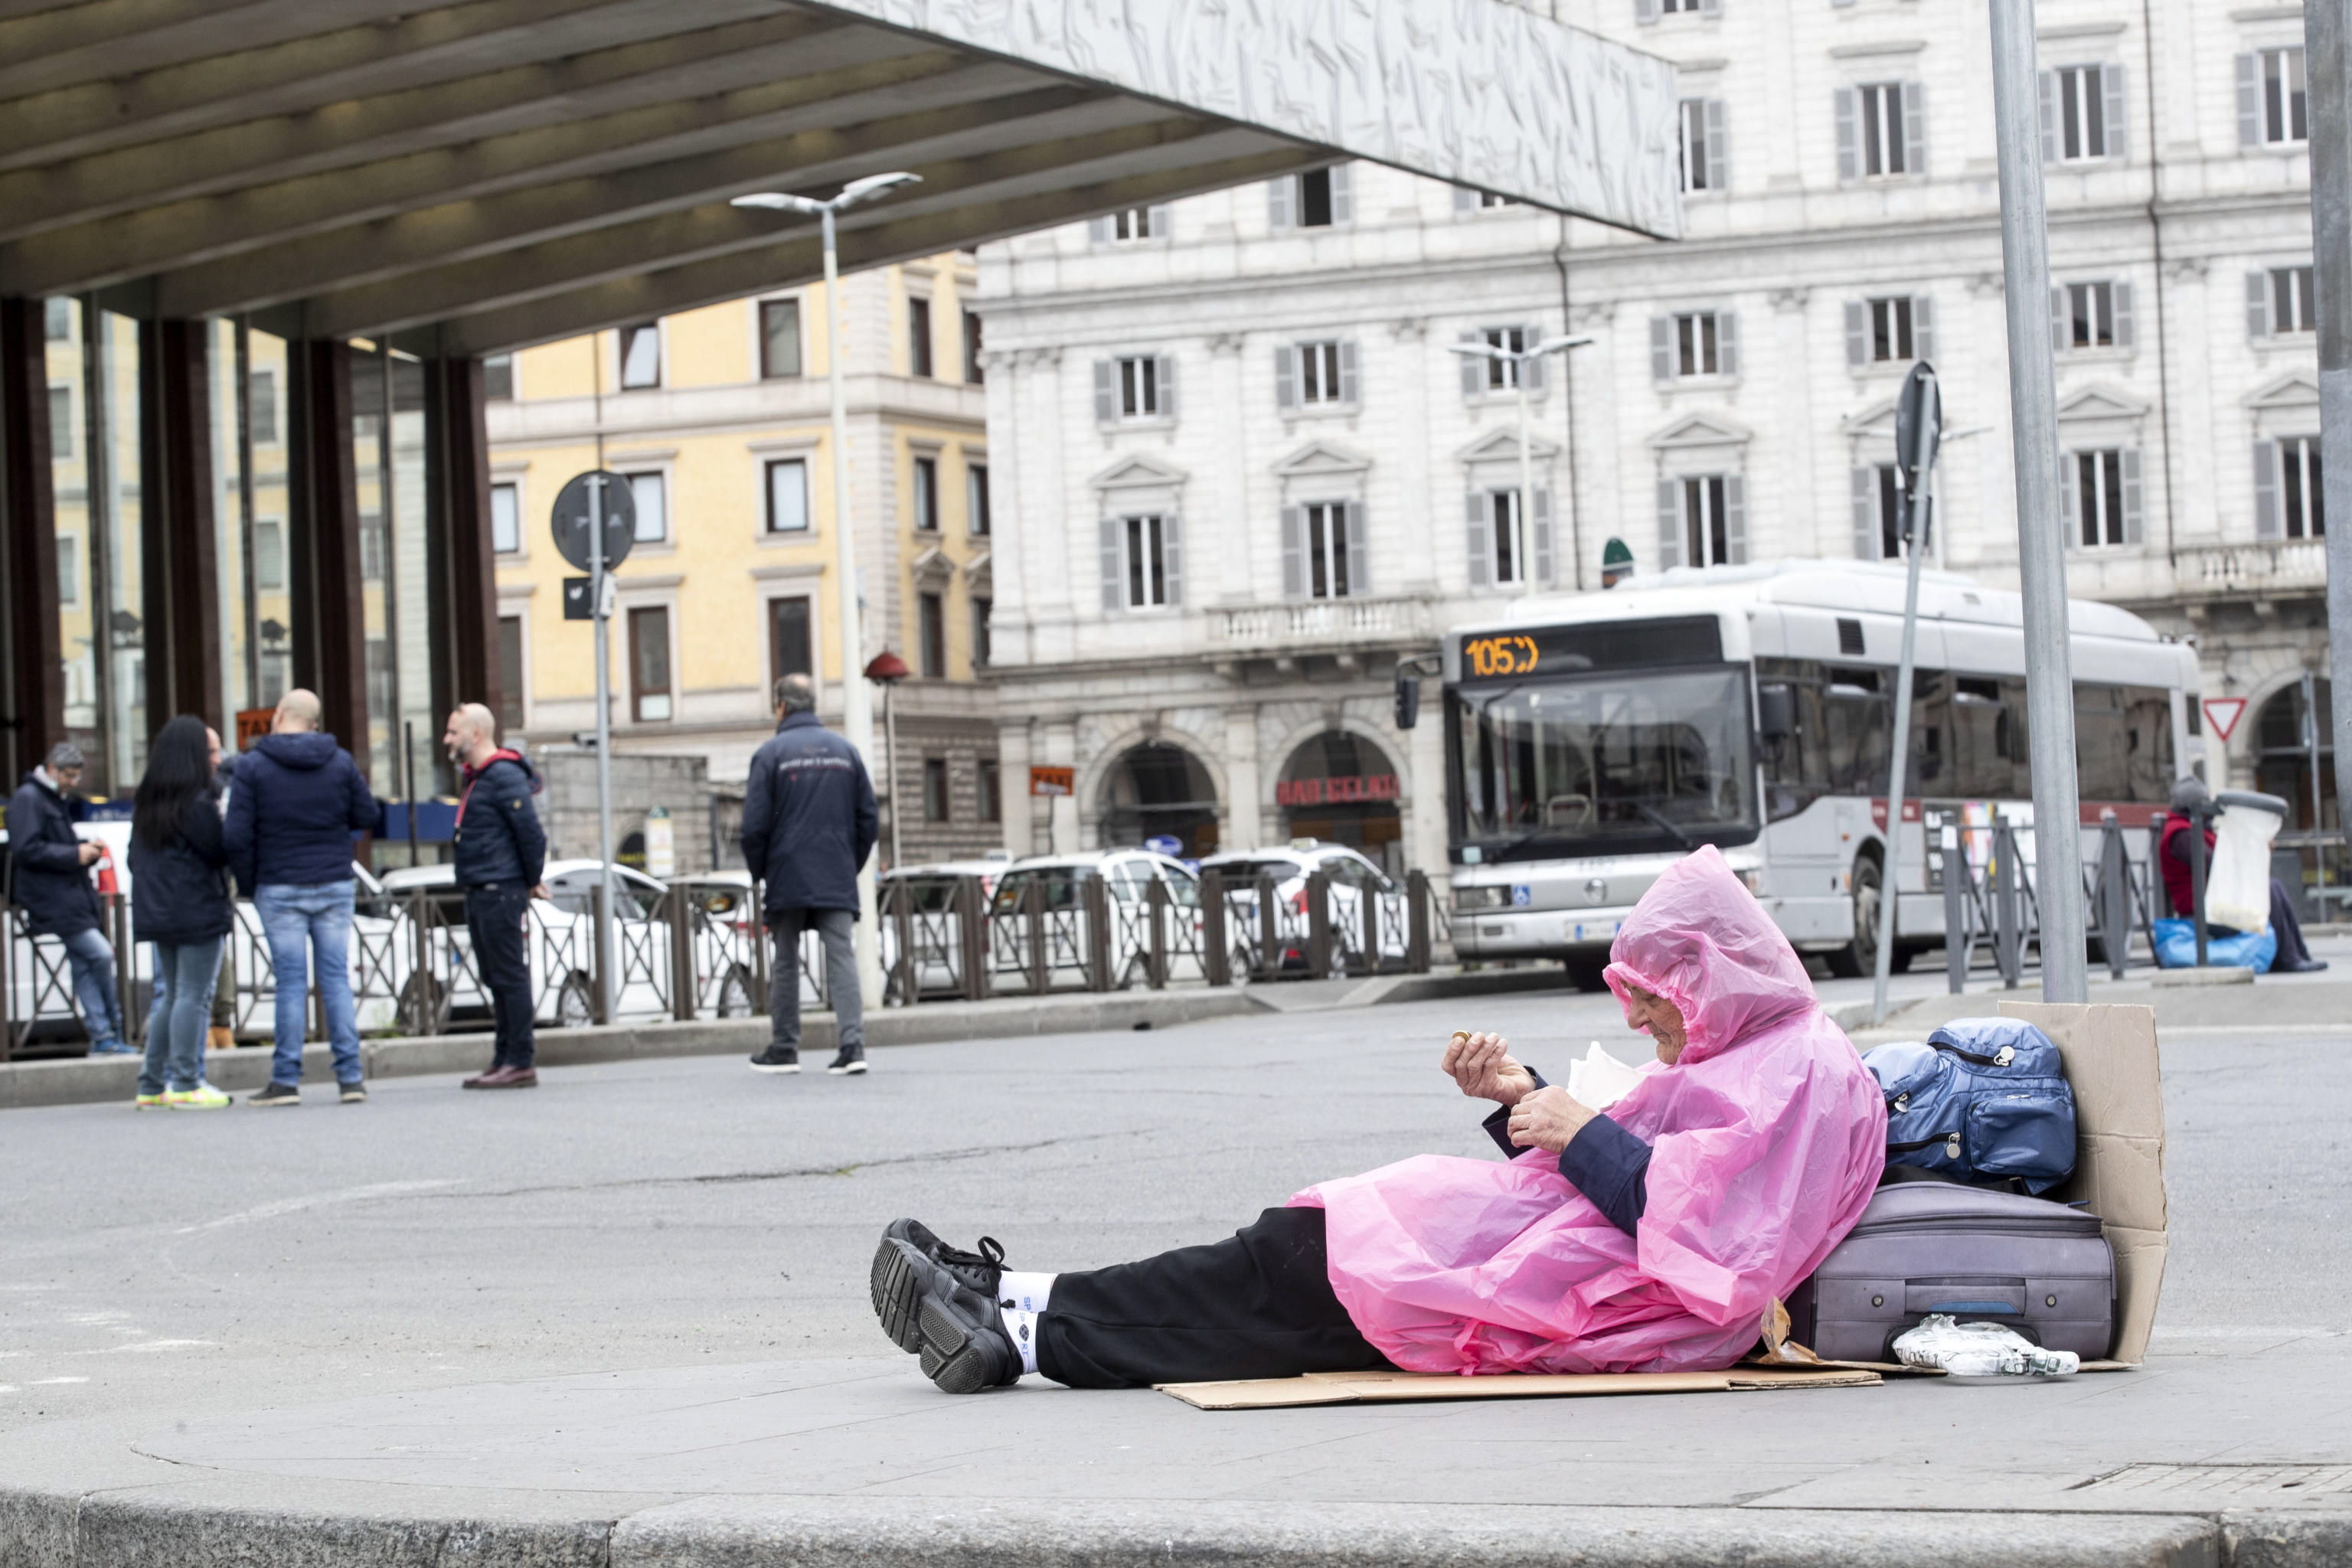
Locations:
column 2308, row 966
column 275, row 1094
column 776, row 1059
column 964, row 1346
column 897, row 1288
column 851, row 1059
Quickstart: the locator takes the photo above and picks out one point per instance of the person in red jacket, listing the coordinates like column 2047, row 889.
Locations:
column 2189, row 797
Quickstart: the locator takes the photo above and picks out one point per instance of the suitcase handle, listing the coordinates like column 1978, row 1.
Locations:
column 1974, row 1297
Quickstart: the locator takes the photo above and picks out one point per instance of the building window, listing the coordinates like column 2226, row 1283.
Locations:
column 1322, row 199
column 1484, row 373
column 1323, row 551
column 2286, row 490
column 973, row 372
column 2280, row 300
column 2091, row 316
column 1881, row 131
column 649, row 692
column 788, row 505
column 1131, row 223
column 1705, row 149
column 261, row 404
column 68, row 569
column 975, row 501
column 2272, row 108
column 497, row 378
column 1315, row 375
column 990, row 791
column 57, row 320
column 932, row 635
column 1694, row 344
column 1137, row 386
column 981, row 610
column 270, row 555
column 1703, row 521
column 2102, row 496
column 2082, row 114
column 61, row 422
column 919, row 338
column 506, row 519
column 650, row 496
column 780, row 339
column 1141, row 562
column 511, row 682
column 1878, row 512
column 927, row 494
column 935, row 789
column 1506, row 538
column 791, row 647
column 1471, row 199
column 641, row 356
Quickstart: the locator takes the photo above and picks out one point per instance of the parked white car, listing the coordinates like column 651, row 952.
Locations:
column 562, row 945
column 1353, row 878
column 1128, row 875
column 937, row 925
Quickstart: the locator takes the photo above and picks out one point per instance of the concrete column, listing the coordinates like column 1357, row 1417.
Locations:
column 1425, row 820
column 1242, row 824
column 329, row 619
column 31, row 677
column 459, row 562
column 182, row 591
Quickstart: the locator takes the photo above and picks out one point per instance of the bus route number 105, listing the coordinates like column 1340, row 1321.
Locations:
column 1499, row 656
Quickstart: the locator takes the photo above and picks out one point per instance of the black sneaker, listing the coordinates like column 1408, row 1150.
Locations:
column 353, row 1093
column 964, row 1346
column 896, row 1290
column 275, row 1094
column 776, row 1059
column 852, row 1059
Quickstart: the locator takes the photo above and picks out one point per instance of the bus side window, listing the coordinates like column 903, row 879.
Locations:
column 1795, row 765
column 2149, row 735
column 2101, row 742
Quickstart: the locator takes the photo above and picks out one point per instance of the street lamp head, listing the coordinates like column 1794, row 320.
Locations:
column 779, row 200
column 1483, row 350
column 872, row 185
column 1553, row 345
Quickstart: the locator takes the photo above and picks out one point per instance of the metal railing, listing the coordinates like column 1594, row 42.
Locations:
column 1991, row 902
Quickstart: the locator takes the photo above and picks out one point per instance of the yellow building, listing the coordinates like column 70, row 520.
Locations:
column 719, row 419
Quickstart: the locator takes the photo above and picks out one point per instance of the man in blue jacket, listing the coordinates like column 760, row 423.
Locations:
column 809, row 822
column 297, row 801
column 501, row 851
column 49, row 869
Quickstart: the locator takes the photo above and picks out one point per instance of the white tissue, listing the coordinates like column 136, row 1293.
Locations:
column 1601, row 1080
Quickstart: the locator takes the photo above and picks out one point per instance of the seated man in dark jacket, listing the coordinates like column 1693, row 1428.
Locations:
column 809, row 822
column 501, row 850
column 49, row 875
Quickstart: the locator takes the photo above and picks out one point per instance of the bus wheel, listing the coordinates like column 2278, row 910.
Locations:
column 1860, row 957
column 1585, row 975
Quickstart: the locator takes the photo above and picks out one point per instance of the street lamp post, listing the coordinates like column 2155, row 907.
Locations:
column 1521, row 361
column 857, row 708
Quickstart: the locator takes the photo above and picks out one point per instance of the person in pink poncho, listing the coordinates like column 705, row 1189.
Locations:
column 1651, row 1238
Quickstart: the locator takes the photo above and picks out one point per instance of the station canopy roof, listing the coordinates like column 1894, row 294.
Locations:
column 475, row 178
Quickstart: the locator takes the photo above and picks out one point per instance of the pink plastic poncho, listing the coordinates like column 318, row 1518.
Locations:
column 1768, row 1136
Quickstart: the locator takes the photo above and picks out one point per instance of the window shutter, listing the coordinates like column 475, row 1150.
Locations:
column 1465, row 200
column 1481, row 545
column 1294, row 552
column 1645, row 11
column 1543, row 552
column 1735, row 519
column 2115, row 112
column 1662, row 348
column 1531, row 334
column 1167, row 387
column 1849, row 136
column 1915, row 129
column 1865, row 486
column 1159, row 220
column 1922, row 326
column 1718, row 147
column 1285, row 375
column 2061, row 321
column 1171, row 557
column 1282, row 202
column 1857, row 332
column 2258, row 305
column 1359, row 582
column 1105, row 391
column 1474, row 368
column 1670, row 525
column 1343, row 192
column 1098, row 230
column 2070, row 508
column 2266, row 489
column 1114, row 584
column 2250, row 102
column 2123, row 311
column 2129, row 463
column 1348, row 373
column 2049, row 99
column 1727, row 342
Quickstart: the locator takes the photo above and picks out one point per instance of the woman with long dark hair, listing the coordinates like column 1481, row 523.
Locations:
column 180, row 904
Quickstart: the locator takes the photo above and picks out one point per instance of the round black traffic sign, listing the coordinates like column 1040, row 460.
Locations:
column 573, row 520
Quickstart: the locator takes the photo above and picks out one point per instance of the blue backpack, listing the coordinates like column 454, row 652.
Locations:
column 1984, row 1101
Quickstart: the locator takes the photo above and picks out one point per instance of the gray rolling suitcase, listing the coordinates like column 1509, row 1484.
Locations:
column 1922, row 1246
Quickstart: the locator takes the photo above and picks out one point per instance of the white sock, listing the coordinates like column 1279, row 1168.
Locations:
column 1019, row 1299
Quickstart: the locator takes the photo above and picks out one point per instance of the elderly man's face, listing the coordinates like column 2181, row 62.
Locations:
column 67, row 777
column 1660, row 1019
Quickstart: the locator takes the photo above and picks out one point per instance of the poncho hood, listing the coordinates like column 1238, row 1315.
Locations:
column 1699, row 939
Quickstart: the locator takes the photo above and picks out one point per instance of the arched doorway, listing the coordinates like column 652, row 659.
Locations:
column 1342, row 789
column 1157, row 790
column 2283, row 754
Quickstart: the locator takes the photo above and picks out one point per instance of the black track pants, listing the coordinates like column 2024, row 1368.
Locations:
column 1258, row 1304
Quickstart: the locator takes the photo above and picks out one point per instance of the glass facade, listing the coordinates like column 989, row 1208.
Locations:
column 388, row 460
column 93, row 370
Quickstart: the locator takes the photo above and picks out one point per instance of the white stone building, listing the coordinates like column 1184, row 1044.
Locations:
column 1242, row 471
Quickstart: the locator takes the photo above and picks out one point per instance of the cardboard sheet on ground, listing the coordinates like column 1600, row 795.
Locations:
column 1391, row 1387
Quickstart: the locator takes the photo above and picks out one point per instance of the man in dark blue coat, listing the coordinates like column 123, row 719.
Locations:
column 501, row 851
column 48, row 872
column 809, row 822
column 297, row 800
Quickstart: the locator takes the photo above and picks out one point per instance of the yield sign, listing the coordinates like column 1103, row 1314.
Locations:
column 2224, row 714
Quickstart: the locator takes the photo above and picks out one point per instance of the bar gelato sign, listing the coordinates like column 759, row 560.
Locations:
column 1337, row 790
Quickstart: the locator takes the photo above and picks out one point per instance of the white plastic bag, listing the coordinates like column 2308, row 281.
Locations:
column 1601, row 1080
column 1980, row 1352
column 2238, row 883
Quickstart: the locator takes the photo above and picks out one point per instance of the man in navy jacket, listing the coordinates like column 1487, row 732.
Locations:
column 48, row 872
column 809, row 822
column 501, row 852
column 297, row 800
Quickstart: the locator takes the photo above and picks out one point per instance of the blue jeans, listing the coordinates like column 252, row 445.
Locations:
column 91, row 959
column 303, row 922
column 185, row 973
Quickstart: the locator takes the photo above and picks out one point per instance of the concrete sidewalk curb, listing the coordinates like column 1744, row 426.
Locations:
column 142, row 1527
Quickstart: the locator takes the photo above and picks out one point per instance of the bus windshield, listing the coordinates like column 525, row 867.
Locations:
column 1610, row 763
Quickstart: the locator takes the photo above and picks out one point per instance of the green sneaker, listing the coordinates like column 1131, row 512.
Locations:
column 148, row 1102
column 204, row 1097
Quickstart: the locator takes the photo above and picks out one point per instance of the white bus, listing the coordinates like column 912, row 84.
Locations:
column 1592, row 739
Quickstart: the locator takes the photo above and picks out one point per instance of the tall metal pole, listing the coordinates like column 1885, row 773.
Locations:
column 2327, row 75
column 857, row 703
column 1525, row 522
column 2041, row 545
column 1899, row 777
column 597, row 581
